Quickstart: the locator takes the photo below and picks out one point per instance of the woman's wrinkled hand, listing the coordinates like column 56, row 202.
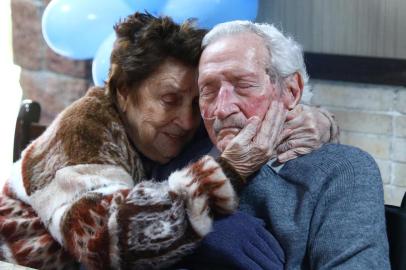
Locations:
column 256, row 142
column 306, row 129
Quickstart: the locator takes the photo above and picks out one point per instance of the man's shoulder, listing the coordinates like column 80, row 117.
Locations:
column 332, row 164
column 346, row 151
column 332, row 156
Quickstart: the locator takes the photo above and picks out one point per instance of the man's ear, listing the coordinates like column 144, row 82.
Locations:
column 293, row 89
column 123, row 98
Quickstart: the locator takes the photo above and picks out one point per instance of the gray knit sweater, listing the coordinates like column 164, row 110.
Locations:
column 326, row 208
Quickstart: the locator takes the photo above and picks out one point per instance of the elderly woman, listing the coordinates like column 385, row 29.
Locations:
column 83, row 181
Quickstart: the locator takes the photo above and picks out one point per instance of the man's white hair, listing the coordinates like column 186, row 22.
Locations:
column 285, row 54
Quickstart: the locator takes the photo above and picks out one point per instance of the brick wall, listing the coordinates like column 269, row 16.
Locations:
column 371, row 117
column 45, row 77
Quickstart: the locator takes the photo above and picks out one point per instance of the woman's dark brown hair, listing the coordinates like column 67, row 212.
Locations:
column 144, row 42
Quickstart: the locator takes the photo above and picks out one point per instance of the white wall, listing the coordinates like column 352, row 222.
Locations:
column 10, row 94
column 373, row 118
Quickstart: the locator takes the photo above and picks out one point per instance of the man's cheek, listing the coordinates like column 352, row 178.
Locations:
column 256, row 107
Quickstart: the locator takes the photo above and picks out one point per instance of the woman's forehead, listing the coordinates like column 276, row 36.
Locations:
column 171, row 76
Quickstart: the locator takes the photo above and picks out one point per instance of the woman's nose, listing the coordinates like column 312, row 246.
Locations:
column 188, row 118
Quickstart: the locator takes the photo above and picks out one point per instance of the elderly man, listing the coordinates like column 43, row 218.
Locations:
column 326, row 208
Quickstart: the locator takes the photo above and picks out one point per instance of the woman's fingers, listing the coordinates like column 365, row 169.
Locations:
column 271, row 127
column 293, row 153
column 246, row 135
column 256, row 142
column 295, row 112
column 279, row 119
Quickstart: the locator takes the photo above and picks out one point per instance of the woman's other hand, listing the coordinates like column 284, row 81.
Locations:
column 306, row 129
column 256, row 142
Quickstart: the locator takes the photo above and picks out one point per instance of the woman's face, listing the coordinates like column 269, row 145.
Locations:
column 163, row 112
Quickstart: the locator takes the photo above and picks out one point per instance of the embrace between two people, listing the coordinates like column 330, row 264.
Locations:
column 82, row 188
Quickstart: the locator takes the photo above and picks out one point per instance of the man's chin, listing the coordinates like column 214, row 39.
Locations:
column 222, row 144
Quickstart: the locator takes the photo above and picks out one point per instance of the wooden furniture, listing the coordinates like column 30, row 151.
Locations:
column 27, row 126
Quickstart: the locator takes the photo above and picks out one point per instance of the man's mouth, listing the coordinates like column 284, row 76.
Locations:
column 228, row 131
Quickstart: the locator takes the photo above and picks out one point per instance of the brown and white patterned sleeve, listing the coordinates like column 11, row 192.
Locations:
column 25, row 241
column 98, row 215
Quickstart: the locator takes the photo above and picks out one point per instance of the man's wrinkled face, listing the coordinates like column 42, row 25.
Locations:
column 163, row 112
column 233, row 85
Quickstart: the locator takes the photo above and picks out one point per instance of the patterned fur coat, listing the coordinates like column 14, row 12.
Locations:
column 82, row 185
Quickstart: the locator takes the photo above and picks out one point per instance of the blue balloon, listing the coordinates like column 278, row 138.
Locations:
column 76, row 28
column 211, row 12
column 152, row 6
column 101, row 62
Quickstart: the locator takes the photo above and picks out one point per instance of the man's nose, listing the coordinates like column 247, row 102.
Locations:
column 225, row 103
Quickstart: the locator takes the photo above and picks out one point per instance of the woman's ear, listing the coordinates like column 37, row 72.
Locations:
column 123, row 98
column 293, row 90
